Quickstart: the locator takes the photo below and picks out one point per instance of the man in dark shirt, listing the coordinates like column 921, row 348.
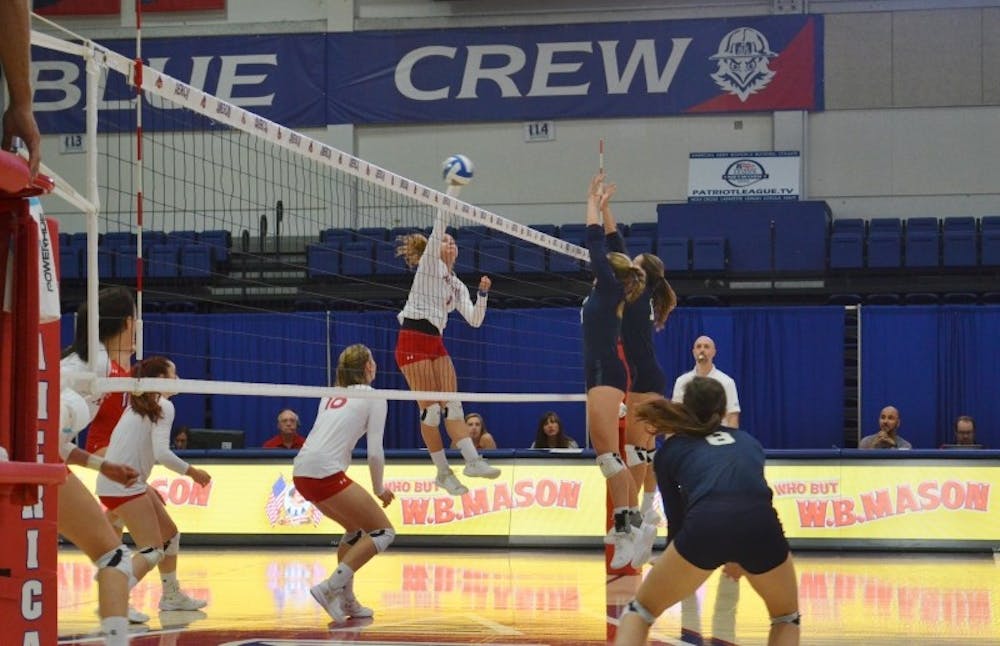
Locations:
column 288, row 432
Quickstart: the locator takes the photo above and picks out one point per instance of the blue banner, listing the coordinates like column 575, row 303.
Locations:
column 577, row 71
column 281, row 78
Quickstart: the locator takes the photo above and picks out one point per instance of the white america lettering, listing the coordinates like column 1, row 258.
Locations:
column 545, row 71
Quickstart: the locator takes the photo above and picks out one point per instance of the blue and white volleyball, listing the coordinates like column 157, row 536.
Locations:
column 457, row 170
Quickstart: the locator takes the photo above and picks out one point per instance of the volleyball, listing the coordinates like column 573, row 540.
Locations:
column 457, row 170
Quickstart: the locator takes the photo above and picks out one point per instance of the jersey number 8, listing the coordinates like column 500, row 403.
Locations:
column 719, row 438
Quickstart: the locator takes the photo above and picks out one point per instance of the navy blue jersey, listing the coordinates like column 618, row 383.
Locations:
column 637, row 335
column 603, row 366
column 691, row 469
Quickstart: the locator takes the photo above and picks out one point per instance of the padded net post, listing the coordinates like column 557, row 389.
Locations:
column 29, row 367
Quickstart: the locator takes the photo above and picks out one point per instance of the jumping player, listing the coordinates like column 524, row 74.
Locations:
column 718, row 509
column 616, row 282
column 640, row 320
column 320, row 477
column 142, row 439
column 420, row 351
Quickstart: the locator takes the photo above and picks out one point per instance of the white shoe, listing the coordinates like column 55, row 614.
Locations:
column 624, row 548
column 330, row 600
column 645, row 536
column 353, row 608
column 176, row 599
column 480, row 468
column 652, row 517
column 447, row 481
column 136, row 617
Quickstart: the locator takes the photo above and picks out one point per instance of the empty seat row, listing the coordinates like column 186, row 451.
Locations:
column 885, row 243
column 573, row 232
column 161, row 261
column 218, row 241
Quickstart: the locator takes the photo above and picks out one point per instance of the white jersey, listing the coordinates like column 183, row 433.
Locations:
column 728, row 385
column 340, row 423
column 73, row 363
column 77, row 409
column 140, row 444
column 436, row 291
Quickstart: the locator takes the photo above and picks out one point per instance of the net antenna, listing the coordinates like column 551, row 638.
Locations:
column 210, row 170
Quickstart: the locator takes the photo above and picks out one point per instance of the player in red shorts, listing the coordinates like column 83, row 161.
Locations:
column 320, row 478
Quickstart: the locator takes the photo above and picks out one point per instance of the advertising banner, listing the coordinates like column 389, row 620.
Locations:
column 748, row 176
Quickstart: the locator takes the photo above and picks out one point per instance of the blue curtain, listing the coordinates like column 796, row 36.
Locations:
column 933, row 364
column 182, row 338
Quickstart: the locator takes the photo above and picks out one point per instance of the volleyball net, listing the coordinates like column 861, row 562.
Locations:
column 258, row 253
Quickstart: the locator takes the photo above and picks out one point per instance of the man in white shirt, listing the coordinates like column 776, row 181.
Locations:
column 704, row 355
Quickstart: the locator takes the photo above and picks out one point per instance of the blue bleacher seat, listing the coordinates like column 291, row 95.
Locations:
column 636, row 245
column 105, row 264
column 708, row 254
column 114, row 239
column 923, row 242
column 64, row 240
column 466, row 261
column 547, row 229
column 218, row 241
column 322, row 260
column 196, row 260
column 921, row 298
column 357, row 258
column 336, row 236
column 844, row 299
column 675, row 252
column 847, row 244
column 703, row 300
column 527, row 258
column 70, row 262
column 647, row 229
column 883, row 299
column 560, row 263
column 477, row 231
column 961, row 298
column 124, row 261
column 182, row 237
column 885, row 243
column 150, row 238
column 494, row 256
column 990, row 241
column 386, row 261
column 162, row 261
column 372, row 233
column 78, row 239
column 574, row 233
column 959, row 242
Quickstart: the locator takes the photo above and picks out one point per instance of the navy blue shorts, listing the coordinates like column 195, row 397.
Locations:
column 606, row 371
column 647, row 377
column 733, row 529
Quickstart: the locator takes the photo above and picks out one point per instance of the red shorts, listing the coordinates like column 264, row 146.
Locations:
column 413, row 346
column 316, row 490
column 113, row 502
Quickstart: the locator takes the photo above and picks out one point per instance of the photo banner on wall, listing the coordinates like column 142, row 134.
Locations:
column 635, row 69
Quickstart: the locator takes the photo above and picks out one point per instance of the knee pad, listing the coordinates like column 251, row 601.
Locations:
column 635, row 455
column 790, row 618
column 351, row 538
column 120, row 559
column 639, row 609
column 650, row 455
column 611, row 464
column 173, row 545
column 153, row 555
column 431, row 416
column 453, row 410
column 382, row 538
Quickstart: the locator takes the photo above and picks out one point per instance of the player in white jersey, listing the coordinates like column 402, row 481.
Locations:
column 420, row 351
column 141, row 439
column 320, row 477
column 80, row 518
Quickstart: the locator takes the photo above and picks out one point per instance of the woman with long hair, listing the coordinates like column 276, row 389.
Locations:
column 550, row 434
column 617, row 282
column 420, row 351
column 320, row 476
column 141, row 439
column 719, row 512
column 640, row 321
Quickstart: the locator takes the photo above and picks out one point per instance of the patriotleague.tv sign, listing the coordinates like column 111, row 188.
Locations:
column 756, row 176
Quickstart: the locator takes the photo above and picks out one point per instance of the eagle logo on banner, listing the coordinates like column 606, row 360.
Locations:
column 743, row 58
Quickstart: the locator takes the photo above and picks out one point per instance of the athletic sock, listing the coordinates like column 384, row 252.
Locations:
column 468, row 449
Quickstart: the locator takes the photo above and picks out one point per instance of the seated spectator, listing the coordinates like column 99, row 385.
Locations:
column 965, row 434
column 551, row 435
column 481, row 438
column 888, row 432
column 288, row 432
column 180, row 439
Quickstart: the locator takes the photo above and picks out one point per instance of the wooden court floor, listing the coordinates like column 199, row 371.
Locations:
column 440, row 596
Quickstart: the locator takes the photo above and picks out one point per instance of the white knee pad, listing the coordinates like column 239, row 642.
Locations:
column 453, row 410
column 639, row 609
column 120, row 559
column 153, row 555
column 173, row 545
column 383, row 538
column 635, row 455
column 351, row 538
column 791, row 618
column 650, row 455
column 611, row 464
column 431, row 416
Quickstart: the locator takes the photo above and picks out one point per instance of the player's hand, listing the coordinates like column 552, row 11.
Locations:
column 198, row 475
column 120, row 473
column 19, row 121
column 485, row 283
column 596, row 188
column 386, row 497
column 609, row 191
